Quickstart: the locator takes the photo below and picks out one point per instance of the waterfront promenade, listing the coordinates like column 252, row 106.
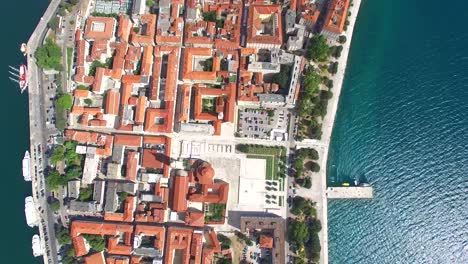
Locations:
column 327, row 128
column 38, row 132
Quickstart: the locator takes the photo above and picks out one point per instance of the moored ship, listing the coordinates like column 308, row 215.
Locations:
column 30, row 212
column 20, row 76
column 26, row 166
column 36, row 246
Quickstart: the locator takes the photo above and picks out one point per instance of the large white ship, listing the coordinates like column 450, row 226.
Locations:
column 27, row 166
column 30, row 212
column 36, row 246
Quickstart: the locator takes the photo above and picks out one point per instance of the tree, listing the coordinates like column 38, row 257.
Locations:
column 74, row 2
column 225, row 241
column 333, row 67
column 73, row 172
column 54, row 180
column 65, row 101
column 96, row 242
column 85, row 194
column 342, row 39
column 49, row 56
column 57, row 155
column 282, row 77
column 88, row 101
column 313, row 166
column 209, row 16
column 54, row 205
column 208, row 65
column 319, row 49
column 82, row 87
column 298, row 233
column 336, row 51
column 63, row 237
column 53, row 23
column 150, row 3
column 326, row 95
column 307, row 183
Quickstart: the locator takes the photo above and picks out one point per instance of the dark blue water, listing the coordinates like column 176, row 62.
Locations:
column 18, row 21
column 403, row 124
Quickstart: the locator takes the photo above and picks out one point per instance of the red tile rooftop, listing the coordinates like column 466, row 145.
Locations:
column 99, row 28
column 112, row 102
column 160, row 120
column 145, row 36
column 153, row 231
column 132, row 165
column 153, row 159
column 124, row 28
column 128, row 140
column 179, row 195
column 178, row 238
column 96, row 258
column 79, row 244
column 140, row 110
column 147, row 61
column 264, row 26
column 81, row 93
column 266, row 241
column 154, row 140
column 194, row 218
column 336, row 16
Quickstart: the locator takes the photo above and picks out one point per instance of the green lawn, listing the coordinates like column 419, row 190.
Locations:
column 208, row 104
column 69, row 60
column 272, row 155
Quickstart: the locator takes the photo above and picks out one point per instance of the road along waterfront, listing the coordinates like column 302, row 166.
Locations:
column 38, row 135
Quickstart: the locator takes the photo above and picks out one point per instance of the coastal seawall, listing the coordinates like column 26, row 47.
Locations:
column 327, row 126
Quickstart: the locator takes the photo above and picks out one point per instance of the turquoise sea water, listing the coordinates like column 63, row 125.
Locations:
column 18, row 21
column 403, row 124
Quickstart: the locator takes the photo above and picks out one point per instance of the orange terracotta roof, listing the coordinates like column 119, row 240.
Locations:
column 140, row 110
column 178, row 238
column 97, row 122
column 189, row 72
column 196, row 247
column 184, row 103
column 125, row 26
column 79, row 245
column 99, row 28
column 147, row 60
column 112, row 102
column 195, row 218
column 145, row 38
column 153, row 159
column 255, row 24
column 266, row 241
column 81, row 93
column 128, row 140
column 179, row 202
column 160, row 120
column 336, row 16
column 119, row 260
column 157, row 231
column 96, row 258
column 132, row 165
column 154, row 140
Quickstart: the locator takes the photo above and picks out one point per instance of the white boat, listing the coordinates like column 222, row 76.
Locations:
column 36, row 246
column 27, row 166
column 30, row 212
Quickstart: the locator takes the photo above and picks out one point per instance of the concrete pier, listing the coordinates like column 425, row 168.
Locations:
column 355, row 192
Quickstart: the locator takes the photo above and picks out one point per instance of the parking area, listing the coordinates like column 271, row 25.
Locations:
column 263, row 123
column 50, row 92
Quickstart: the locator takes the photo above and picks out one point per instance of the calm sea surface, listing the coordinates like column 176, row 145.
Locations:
column 18, row 20
column 403, row 124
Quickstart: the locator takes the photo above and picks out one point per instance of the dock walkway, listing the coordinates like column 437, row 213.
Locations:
column 357, row 192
